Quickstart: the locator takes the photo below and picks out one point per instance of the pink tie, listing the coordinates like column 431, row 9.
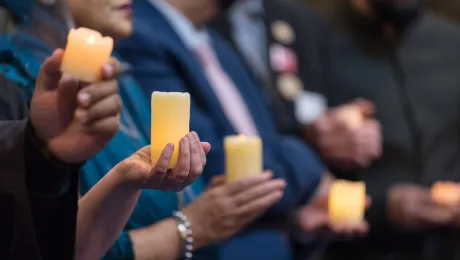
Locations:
column 230, row 99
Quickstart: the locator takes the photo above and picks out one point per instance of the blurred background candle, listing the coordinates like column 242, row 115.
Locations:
column 85, row 53
column 352, row 115
column 446, row 193
column 170, row 122
column 347, row 202
column 243, row 156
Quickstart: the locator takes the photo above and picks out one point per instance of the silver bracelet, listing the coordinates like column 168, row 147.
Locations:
column 185, row 232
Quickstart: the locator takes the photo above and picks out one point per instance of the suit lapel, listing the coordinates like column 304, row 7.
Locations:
column 190, row 67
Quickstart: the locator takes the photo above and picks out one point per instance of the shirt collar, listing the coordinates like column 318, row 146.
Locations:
column 247, row 8
column 189, row 34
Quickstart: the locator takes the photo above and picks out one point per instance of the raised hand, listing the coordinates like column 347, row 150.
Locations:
column 73, row 119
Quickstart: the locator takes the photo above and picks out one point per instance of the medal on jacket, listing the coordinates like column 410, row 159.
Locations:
column 282, row 59
column 282, row 32
column 289, row 86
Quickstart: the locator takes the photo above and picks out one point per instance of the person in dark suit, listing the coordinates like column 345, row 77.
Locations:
column 286, row 46
column 405, row 61
column 182, row 56
column 283, row 44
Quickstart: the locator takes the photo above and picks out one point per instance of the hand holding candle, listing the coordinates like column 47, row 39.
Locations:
column 85, row 54
column 243, row 157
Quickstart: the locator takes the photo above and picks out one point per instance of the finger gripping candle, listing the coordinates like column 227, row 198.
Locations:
column 85, row 54
column 170, row 122
column 243, row 157
column 347, row 202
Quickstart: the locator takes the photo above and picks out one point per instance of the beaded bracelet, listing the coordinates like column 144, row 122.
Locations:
column 185, row 231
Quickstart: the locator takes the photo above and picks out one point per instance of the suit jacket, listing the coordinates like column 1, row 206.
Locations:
column 305, row 39
column 161, row 62
column 38, row 196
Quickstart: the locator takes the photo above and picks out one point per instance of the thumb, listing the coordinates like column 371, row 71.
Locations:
column 206, row 147
column 366, row 106
column 50, row 74
column 144, row 153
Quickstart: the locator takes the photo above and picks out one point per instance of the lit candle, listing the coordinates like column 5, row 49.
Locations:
column 243, row 156
column 446, row 193
column 347, row 202
column 170, row 122
column 352, row 115
column 85, row 54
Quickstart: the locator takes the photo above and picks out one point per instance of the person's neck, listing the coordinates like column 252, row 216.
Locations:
column 191, row 15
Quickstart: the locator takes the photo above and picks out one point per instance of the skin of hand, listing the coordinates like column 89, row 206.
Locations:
column 75, row 120
column 226, row 208
column 138, row 170
column 412, row 207
column 349, row 146
column 313, row 218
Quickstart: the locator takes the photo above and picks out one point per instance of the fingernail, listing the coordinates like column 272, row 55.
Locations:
column 184, row 140
column 83, row 98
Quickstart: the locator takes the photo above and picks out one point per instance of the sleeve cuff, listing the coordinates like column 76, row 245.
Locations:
column 45, row 173
column 377, row 214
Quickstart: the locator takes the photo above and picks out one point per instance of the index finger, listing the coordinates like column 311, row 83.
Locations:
column 245, row 183
column 111, row 69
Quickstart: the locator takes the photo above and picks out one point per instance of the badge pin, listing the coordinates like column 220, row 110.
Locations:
column 283, row 32
column 289, row 86
column 283, row 59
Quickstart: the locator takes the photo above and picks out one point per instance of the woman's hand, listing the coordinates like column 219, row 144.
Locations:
column 138, row 171
column 226, row 208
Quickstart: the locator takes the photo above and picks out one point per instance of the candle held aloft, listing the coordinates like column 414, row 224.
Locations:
column 446, row 193
column 347, row 202
column 85, row 54
column 243, row 157
column 170, row 122
column 352, row 115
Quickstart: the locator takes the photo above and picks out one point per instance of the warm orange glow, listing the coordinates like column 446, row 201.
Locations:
column 85, row 54
column 243, row 156
column 347, row 202
column 446, row 193
column 170, row 122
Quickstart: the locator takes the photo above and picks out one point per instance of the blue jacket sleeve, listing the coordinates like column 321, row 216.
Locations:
column 288, row 157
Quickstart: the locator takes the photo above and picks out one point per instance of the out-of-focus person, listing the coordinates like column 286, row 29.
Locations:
column 286, row 46
column 404, row 62
column 52, row 144
column 184, row 56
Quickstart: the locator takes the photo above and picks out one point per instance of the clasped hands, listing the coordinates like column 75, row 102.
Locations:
column 349, row 141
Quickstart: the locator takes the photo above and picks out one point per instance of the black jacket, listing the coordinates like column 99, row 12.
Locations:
column 38, row 195
column 415, row 86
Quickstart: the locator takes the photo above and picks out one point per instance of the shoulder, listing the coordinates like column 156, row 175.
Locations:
column 12, row 105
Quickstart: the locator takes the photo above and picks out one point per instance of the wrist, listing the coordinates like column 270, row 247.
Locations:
column 201, row 238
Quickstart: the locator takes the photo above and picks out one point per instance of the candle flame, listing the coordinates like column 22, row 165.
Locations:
column 91, row 39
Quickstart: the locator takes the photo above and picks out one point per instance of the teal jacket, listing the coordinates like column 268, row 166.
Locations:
column 22, row 64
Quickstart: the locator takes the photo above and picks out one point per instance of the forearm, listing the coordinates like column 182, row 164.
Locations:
column 160, row 241
column 103, row 213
